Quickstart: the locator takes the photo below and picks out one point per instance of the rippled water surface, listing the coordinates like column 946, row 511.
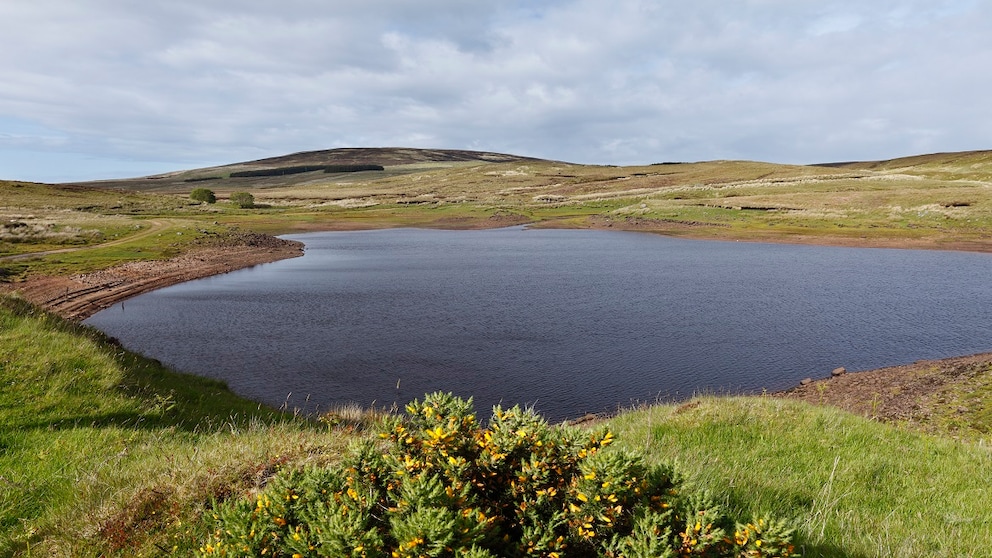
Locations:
column 569, row 321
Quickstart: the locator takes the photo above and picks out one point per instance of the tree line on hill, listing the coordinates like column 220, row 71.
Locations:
column 281, row 171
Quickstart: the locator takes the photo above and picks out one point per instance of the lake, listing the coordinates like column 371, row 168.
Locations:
column 569, row 321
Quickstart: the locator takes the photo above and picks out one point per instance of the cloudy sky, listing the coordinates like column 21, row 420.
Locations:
column 111, row 88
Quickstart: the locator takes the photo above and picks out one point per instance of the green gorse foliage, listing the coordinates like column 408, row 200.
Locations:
column 203, row 195
column 244, row 200
column 439, row 484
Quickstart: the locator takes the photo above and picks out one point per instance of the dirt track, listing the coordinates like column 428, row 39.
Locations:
column 80, row 296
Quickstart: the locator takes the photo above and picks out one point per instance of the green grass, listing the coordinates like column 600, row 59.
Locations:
column 28, row 236
column 856, row 487
column 101, row 448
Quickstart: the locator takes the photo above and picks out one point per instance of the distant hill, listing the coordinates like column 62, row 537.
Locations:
column 385, row 156
column 957, row 157
column 393, row 160
column 367, row 163
column 961, row 165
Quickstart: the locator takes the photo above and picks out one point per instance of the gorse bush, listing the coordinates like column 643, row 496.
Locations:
column 203, row 195
column 439, row 484
column 244, row 200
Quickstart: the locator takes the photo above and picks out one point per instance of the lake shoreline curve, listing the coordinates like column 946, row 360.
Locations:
column 78, row 297
column 904, row 393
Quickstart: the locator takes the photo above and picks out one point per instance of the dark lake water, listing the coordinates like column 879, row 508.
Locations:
column 568, row 321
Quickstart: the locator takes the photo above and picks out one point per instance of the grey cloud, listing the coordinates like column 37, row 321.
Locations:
column 209, row 81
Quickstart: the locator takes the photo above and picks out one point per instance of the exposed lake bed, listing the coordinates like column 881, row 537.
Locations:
column 569, row 321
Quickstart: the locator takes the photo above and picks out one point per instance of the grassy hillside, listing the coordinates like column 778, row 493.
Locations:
column 103, row 452
column 961, row 166
column 397, row 162
column 106, row 225
column 941, row 197
column 101, row 449
column 932, row 201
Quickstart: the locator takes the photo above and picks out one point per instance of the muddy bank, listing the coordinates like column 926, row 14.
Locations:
column 78, row 297
column 915, row 395
column 910, row 394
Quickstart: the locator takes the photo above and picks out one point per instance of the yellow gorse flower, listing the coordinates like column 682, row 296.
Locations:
column 481, row 479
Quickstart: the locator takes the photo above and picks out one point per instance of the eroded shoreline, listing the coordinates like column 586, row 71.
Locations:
column 919, row 395
column 78, row 297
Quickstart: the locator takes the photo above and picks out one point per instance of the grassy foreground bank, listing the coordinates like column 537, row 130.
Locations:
column 105, row 452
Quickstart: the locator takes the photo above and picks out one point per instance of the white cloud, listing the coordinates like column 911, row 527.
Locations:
column 197, row 82
column 835, row 23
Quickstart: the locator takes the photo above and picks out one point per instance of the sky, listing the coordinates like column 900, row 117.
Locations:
column 94, row 89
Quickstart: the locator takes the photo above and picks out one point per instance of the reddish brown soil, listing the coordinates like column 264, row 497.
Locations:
column 907, row 394
column 80, row 296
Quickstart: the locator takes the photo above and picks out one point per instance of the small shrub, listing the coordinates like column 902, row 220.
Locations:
column 203, row 195
column 439, row 484
column 244, row 200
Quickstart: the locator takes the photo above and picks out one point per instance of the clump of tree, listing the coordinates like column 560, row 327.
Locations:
column 441, row 485
column 244, row 200
column 282, row 171
column 204, row 195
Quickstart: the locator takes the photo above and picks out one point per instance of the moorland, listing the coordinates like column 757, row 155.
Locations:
column 104, row 452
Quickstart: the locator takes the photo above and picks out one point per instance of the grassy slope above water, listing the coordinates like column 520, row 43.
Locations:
column 103, row 451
